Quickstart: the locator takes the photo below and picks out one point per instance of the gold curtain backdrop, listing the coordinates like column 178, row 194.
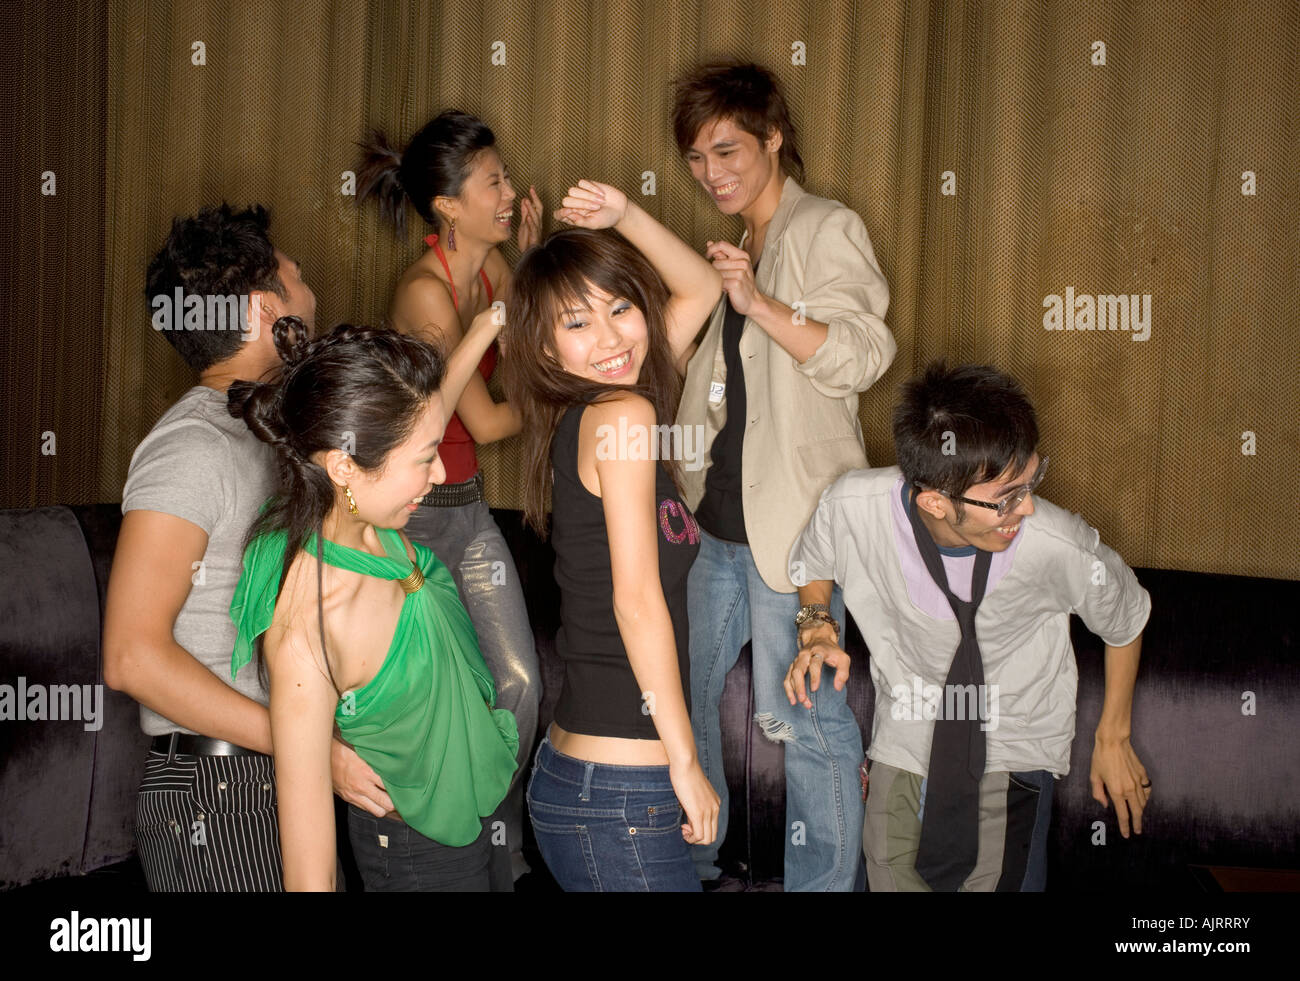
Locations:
column 994, row 161
column 52, row 174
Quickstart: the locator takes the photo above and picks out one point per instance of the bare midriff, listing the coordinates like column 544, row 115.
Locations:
column 613, row 750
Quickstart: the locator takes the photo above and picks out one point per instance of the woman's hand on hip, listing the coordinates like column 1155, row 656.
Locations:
column 356, row 782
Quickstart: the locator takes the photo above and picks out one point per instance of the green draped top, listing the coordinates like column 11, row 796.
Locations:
column 424, row 723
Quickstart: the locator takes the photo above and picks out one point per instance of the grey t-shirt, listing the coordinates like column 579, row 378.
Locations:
column 202, row 464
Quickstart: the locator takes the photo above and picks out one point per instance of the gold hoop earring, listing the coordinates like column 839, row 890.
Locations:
column 352, row 501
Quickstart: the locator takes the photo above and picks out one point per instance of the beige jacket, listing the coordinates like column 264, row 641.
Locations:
column 803, row 428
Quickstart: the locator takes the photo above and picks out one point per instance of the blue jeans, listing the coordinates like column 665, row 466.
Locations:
column 730, row 604
column 470, row 545
column 605, row 828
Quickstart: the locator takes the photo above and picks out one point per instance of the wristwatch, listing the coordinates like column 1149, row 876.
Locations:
column 817, row 611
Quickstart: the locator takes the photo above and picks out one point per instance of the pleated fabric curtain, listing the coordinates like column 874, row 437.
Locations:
column 999, row 153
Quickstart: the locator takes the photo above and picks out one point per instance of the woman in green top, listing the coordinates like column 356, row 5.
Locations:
column 367, row 634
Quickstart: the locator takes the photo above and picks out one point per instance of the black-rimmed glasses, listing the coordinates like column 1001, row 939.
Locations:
column 1013, row 498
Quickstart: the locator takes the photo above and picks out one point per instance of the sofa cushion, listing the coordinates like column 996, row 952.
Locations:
column 49, row 635
column 1214, row 723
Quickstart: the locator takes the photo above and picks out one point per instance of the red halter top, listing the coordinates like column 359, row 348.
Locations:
column 457, row 448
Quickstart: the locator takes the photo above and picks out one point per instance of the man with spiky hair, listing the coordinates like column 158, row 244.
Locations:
column 206, row 816
column 963, row 580
column 773, row 388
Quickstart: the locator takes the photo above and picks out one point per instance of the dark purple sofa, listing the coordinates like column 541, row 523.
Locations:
column 1227, row 783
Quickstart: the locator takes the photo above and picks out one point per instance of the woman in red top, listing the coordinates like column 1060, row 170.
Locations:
column 453, row 176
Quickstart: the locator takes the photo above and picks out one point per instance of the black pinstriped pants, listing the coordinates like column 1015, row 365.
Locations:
column 208, row 824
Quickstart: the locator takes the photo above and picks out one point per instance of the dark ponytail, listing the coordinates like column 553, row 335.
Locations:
column 434, row 164
column 379, row 176
column 360, row 388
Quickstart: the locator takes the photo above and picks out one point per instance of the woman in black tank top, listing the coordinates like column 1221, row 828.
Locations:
column 605, row 339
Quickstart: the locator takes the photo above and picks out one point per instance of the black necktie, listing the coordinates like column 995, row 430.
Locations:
column 950, row 830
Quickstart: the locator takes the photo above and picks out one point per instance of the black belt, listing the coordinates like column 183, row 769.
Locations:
column 455, row 495
column 183, row 744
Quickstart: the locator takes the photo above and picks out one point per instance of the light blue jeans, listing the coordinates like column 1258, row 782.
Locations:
column 730, row 604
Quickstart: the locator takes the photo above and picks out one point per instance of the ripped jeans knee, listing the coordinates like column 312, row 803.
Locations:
column 776, row 730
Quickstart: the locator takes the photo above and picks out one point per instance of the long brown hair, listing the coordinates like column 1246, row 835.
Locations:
column 554, row 276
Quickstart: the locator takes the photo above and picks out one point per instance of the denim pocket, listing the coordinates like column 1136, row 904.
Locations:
column 371, row 847
column 569, row 853
column 664, row 815
column 659, row 859
column 570, row 816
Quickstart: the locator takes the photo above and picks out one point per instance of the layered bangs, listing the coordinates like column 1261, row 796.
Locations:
column 561, row 275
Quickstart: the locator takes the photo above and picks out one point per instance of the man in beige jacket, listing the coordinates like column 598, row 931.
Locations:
column 774, row 383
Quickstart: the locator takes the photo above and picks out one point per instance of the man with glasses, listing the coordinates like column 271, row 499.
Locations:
column 963, row 581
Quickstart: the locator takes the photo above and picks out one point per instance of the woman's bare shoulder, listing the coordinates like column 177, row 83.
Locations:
column 312, row 593
column 422, row 303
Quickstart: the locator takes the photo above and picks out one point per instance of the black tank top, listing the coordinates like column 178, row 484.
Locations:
column 600, row 695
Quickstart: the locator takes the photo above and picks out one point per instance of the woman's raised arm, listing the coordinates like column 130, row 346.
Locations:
column 693, row 283
column 424, row 310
